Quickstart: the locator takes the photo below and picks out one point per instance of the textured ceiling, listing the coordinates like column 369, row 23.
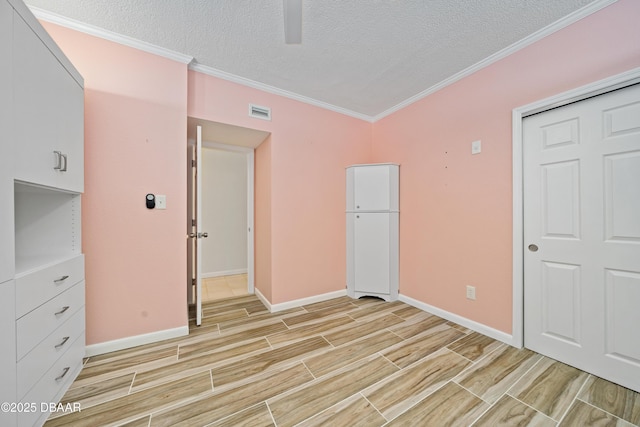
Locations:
column 365, row 56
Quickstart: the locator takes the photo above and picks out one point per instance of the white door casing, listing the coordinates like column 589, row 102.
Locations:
column 581, row 175
column 199, row 231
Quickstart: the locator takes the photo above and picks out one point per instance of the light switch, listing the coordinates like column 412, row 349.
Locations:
column 476, row 147
column 161, row 201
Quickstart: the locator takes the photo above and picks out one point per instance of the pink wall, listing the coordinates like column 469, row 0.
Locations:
column 309, row 150
column 456, row 209
column 135, row 133
column 456, row 225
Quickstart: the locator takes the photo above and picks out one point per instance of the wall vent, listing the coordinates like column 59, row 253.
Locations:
column 259, row 112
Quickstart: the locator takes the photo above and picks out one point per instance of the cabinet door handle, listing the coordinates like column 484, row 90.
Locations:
column 60, row 280
column 63, row 342
column 64, row 163
column 58, row 164
column 65, row 308
column 64, row 372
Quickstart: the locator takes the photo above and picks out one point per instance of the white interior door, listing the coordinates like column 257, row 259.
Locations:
column 581, row 176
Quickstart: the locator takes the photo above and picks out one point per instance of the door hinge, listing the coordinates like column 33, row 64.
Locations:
column 193, row 222
column 193, row 163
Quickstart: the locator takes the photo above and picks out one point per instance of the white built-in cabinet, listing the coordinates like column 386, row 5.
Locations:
column 42, row 292
column 373, row 230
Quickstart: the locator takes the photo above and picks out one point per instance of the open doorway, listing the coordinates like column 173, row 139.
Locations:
column 230, row 145
column 224, row 216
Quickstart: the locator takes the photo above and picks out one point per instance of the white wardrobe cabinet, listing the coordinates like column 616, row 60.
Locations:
column 373, row 231
column 48, row 109
column 42, row 300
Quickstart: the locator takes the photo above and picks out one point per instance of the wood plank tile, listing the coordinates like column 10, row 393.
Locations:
column 376, row 310
column 496, row 373
column 122, row 362
column 222, row 404
column 134, row 405
column 267, row 360
column 584, row 415
column 407, row 312
column 417, row 325
column 193, row 365
column 299, row 333
column 297, row 405
column 509, row 412
column 216, row 317
column 615, row 399
column 355, row 411
column 474, row 346
column 235, row 325
column 414, row 349
column 140, row 422
column 436, row 410
column 100, row 391
column 318, row 314
column 361, row 329
column 214, row 344
column 255, row 416
column 404, row 389
column 549, row 387
column 325, row 304
column 342, row 356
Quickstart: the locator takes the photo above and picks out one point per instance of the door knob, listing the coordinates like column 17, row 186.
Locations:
column 203, row 235
column 192, row 235
column 533, row 248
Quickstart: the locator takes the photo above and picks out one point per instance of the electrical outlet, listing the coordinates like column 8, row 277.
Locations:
column 471, row 292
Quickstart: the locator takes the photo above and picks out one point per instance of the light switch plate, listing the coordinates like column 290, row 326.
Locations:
column 161, row 201
column 476, row 147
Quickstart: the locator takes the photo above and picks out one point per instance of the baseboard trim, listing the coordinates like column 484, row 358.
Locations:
column 134, row 341
column 274, row 308
column 463, row 321
column 224, row 273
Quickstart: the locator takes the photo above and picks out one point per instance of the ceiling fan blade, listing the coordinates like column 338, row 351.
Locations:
column 292, row 21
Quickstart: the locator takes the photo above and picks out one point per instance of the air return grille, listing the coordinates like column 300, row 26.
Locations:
column 259, row 112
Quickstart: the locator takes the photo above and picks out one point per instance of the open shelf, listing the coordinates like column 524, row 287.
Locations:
column 47, row 226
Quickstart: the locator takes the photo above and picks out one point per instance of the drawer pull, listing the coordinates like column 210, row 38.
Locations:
column 65, row 308
column 60, row 280
column 63, row 342
column 64, row 372
column 58, row 164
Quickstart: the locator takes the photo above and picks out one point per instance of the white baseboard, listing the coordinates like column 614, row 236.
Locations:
column 274, row 308
column 129, row 342
column 463, row 321
column 224, row 273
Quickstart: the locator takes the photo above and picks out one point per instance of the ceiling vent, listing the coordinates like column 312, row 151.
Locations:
column 259, row 112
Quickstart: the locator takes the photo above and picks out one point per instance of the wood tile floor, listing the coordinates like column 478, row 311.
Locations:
column 341, row 362
column 215, row 288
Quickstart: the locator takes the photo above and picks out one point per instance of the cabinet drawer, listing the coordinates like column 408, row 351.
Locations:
column 38, row 287
column 32, row 328
column 36, row 363
column 54, row 383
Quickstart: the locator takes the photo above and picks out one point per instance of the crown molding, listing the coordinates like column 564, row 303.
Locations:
column 92, row 30
column 214, row 72
column 521, row 44
column 193, row 65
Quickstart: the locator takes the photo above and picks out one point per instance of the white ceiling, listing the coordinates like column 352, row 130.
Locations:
column 363, row 56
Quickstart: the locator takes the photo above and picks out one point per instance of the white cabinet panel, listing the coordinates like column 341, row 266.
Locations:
column 48, row 115
column 371, row 252
column 372, row 188
column 6, row 146
column 8, row 352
